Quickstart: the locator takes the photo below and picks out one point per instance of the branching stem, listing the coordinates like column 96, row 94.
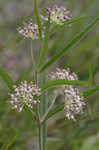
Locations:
column 48, row 110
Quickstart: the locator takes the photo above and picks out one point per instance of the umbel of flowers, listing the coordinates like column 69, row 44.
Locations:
column 73, row 100
column 29, row 30
column 25, row 94
column 59, row 14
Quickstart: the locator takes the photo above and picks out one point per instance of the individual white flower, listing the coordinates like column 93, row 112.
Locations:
column 58, row 14
column 29, row 30
column 25, row 94
column 73, row 100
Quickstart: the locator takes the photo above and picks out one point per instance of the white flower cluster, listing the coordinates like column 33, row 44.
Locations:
column 74, row 101
column 62, row 74
column 29, row 30
column 59, row 14
column 25, row 94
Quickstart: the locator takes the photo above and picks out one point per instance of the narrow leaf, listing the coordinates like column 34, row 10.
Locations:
column 8, row 80
column 55, row 83
column 91, row 91
column 70, row 45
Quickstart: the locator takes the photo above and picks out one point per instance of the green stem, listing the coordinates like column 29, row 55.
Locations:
column 37, row 118
column 37, row 15
column 43, row 109
column 32, row 56
column 40, row 138
column 44, row 50
column 39, row 130
column 48, row 110
column 44, row 99
column 43, row 102
column 35, row 70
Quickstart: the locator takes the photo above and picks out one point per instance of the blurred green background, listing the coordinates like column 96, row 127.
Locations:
column 17, row 131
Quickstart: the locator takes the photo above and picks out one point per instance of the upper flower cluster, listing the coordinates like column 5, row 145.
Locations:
column 25, row 94
column 29, row 30
column 59, row 14
column 73, row 100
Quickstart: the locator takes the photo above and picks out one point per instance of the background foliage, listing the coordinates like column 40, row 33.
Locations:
column 17, row 132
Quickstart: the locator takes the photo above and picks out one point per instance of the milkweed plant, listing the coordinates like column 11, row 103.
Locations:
column 62, row 81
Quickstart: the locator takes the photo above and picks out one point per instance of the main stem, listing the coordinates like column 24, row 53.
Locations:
column 43, row 108
column 40, row 137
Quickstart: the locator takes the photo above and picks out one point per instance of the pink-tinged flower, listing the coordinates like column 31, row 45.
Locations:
column 73, row 100
column 25, row 94
column 29, row 30
column 59, row 14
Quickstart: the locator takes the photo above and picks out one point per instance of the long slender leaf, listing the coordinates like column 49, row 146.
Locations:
column 91, row 91
column 8, row 80
column 70, row 45
column 55, row 83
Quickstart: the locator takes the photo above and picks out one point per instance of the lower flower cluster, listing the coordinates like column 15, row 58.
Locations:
column 74, row 103
column 73, row 100
column 25, row 94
